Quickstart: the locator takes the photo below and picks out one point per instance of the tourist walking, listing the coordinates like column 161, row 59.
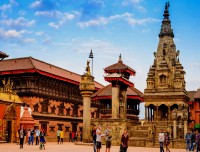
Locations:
column 37, row 135
column 61, row 136
column 81, row 136
column 124, row 140
column 42, row 139
column 70, row 136
column 32, row 136
column 76, row 136
column 161, row 138
column 21, row 136
column 192, row 140
column 187, row 140
column 58, row 136
column 94, row 137
column 98, row 139
column 73, row 136
column 108, row 138
column 197, row 139
column 167, row 141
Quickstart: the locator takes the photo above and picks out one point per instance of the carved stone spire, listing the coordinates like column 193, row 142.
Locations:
column 166, row 29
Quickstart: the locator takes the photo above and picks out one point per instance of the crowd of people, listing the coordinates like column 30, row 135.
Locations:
column 97, row 135
column 28, row 136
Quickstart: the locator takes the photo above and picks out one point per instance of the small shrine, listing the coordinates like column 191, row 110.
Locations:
column 10, row 104
column 27, row 120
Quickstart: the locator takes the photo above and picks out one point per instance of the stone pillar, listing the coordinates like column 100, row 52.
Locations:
column 157, row 113
column 125, row 103
column 87, row 87
column 168, row 113
column 145, row 112
column 185, row 128
column 86, row 117
column 174, row 129
column 115, row 102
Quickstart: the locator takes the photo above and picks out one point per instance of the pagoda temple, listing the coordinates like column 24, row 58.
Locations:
column 119, row 101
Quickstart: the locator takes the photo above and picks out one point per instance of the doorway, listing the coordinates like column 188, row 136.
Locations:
column 8, row 131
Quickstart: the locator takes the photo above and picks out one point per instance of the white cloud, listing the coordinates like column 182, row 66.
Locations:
column 64, row 17
column 52, row 24
column 53, row 14
column 20, row 22
column 125, row 17
column 11, row 34
column 36, row 4
column 29, row 40
column 8, row 7
column 135, row 3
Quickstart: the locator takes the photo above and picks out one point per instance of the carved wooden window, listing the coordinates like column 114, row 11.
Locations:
column 92, row 114
column 68, row 111
column 36, row 106
column 52, row 128
column 45, row 105
column 61, row 108
column 75, row 110
column 67, row 129
column 53, row 109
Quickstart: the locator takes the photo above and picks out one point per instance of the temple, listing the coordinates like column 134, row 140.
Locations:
column 119, row 101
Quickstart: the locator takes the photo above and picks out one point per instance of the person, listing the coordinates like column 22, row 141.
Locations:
column 187, row 140
column 94, row 137
column 58, row 135
column 73, row 136
column 98, row 139
column 37, row 134
column 42, row 139
column 70, row 136
column 167, row 141
column 61, row 136
column 76, row 137
column 192, row 140
column 81, row 136
column 161, row 139
column 31, row 136
column 108, row 137
column 21, row 136
column 197, row 139
column 124, row 140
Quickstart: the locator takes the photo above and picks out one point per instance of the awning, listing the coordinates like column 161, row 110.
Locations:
column 197, row 126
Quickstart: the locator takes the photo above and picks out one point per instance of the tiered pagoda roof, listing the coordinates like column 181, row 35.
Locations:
column 106, row 93
column 119, row 67
column 32, row 65
column 119, row 72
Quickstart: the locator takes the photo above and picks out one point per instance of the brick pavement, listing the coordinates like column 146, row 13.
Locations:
column 70, row 147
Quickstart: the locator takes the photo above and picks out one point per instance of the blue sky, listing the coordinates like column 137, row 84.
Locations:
column 63, row 32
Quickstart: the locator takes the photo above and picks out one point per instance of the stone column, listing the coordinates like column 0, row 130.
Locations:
column 145, row 112
column 174, row 129
column 125, row 103
column 115, row 102
column 157, row 113
column 87, row 87
column 86, row 117
column 168, row 113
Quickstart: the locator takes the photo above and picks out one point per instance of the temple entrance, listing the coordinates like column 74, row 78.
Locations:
column 163, row 112
column 8, row 131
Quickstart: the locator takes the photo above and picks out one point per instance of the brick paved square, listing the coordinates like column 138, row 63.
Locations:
column 70, row 147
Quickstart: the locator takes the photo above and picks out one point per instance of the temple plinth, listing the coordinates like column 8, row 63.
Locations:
column 87, row 88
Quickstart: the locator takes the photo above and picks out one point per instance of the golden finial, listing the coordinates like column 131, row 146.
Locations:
column 88, row 68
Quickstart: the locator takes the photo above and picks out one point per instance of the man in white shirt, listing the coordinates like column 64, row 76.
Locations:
column 98, row 139
column 37, row 134
column 161, row 138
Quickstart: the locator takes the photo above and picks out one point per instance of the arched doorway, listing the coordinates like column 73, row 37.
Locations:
column 163, row 112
